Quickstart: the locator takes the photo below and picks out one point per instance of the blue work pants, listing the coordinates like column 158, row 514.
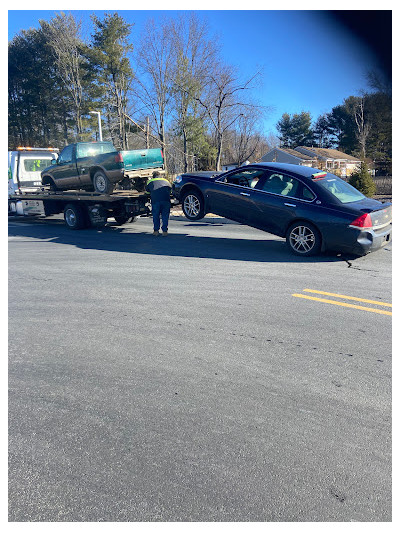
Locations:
column 161, row 209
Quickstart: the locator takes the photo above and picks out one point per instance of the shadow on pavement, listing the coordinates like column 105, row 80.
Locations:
column 115, row 239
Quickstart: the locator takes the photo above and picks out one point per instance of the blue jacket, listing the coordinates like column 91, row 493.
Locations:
column 159, row 189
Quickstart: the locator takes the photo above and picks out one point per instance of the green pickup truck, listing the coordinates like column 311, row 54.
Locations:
column 99, row 166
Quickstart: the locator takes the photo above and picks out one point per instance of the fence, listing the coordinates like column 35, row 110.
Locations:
column 383, row 184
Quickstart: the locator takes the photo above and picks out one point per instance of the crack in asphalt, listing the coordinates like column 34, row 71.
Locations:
column 350, row 265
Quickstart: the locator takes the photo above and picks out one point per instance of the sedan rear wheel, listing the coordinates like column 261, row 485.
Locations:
column 193, row 205
column 303, row 239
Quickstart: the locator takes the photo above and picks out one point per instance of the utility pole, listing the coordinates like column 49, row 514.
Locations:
column 147, row 132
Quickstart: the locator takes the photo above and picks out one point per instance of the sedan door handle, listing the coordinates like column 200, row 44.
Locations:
column 245, row 194
column 290, row 205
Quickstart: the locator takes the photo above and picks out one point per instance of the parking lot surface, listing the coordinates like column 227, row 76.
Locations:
column 206, row 376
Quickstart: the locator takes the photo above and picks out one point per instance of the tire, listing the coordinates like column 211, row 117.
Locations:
column 193, row 205
column 303, row 239
column 52, row 185
column 101, row 183
column 74, row 216
column 120, row 219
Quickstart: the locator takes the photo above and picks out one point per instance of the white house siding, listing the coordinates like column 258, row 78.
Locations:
column 346, row 164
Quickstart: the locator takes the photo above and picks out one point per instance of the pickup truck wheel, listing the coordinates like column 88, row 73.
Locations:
column 74, row 216
column 52, row 186
column 120, row 219
column 102, row 184
column 193, row 205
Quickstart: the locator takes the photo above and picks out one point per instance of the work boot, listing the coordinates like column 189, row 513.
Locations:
column 156, row 232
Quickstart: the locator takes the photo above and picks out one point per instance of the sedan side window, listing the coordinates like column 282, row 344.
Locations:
column 280, row 184
column 287, row 186
column 66, row 154
column 244, row 178
column 303, row 193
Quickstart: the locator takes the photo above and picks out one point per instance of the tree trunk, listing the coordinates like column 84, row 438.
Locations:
column 219, row 152
column 162, row 139
column 185, row 157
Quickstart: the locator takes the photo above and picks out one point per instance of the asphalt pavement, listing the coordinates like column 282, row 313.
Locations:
column 207, row 376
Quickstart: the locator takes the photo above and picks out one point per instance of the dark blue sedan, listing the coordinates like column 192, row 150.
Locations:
column 314, row 210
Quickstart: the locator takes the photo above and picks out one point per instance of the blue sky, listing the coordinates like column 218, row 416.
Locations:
column 310, row 62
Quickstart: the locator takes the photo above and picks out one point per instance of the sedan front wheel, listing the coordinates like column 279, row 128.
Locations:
column 193, row 205
column 303, row 239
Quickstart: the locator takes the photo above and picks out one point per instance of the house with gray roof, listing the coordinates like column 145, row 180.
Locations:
column 332, row 159
column 324, row 158
column 288, row 155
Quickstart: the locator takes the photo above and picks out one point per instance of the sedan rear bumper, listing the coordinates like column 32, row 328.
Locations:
column 370, row 241
column 364, row 241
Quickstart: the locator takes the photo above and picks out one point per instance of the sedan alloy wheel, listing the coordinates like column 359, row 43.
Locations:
column 303, row 239
column 193, row 206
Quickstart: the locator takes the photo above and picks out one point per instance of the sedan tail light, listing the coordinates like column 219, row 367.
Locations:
column 119, row 158
column 364, row 221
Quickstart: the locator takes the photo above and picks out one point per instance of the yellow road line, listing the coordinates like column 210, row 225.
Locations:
column 348, row 297
column 380, row 311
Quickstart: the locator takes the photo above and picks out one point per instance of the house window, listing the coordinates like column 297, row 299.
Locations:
column 329, row 164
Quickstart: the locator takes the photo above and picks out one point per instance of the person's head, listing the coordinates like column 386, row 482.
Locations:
column 156, row 174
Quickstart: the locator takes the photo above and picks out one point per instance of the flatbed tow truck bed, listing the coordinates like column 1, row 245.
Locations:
column 81, row 209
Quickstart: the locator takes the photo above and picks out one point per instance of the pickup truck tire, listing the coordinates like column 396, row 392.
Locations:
column 101, row 183
column 52, row 186
column 50, row 183
column 120, row 219
column 193, row 205
column 74, row 216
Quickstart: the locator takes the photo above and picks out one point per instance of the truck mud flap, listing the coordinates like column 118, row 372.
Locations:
column 97, row 215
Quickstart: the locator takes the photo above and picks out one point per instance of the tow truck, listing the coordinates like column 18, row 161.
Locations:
column 82, row 209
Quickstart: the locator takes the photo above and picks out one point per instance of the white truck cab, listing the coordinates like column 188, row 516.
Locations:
column 25, row 166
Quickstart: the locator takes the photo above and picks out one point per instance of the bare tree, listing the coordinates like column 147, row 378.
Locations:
column 155, row 61
column 194, row 57
column 63, row 34
column 226, row 102
column 363, row 127
column 244, row 142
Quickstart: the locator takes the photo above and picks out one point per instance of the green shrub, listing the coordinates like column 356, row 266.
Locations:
column 362, row 180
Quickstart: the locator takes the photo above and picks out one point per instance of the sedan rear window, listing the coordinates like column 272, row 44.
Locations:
column 341, row 190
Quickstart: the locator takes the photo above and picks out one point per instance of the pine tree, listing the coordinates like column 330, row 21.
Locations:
column 295, row 130
column 362, row 180
column 110, row 59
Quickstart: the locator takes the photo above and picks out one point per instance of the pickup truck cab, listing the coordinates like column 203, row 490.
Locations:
column 97, row 166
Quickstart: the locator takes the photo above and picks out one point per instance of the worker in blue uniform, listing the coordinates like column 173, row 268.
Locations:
column 160, row 192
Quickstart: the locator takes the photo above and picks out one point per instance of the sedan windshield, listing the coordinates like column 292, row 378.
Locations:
column 341, row 190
